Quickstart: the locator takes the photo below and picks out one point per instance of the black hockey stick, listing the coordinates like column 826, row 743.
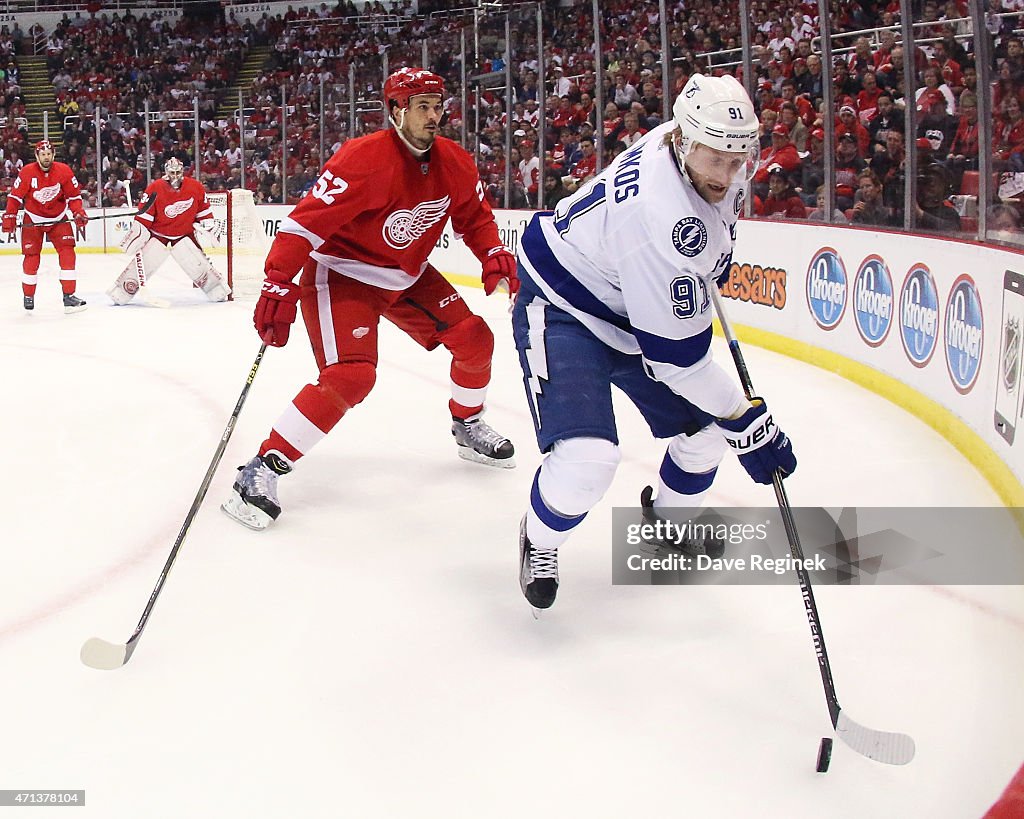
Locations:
column 65, row 220
column 101, row 654
column 882, row 746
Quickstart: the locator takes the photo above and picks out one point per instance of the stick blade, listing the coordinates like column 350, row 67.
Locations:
column 881, row 746
column 100, row 654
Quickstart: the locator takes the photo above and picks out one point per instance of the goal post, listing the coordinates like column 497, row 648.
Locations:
column 244, row 244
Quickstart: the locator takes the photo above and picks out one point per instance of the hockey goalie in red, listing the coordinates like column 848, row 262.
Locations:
column 47, row 190
column 361, row 239
column 171, row 212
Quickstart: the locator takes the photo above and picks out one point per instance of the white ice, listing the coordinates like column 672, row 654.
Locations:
column 371, row 654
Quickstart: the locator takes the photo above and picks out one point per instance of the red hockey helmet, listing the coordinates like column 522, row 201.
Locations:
column 44, row 154
column 410, row 82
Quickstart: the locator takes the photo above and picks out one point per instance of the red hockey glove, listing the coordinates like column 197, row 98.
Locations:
column 81, row 220
column 500, row 265
column 275, row 310
column 10, row 223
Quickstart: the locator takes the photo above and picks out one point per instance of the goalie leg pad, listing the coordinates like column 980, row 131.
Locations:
column 153, row 255
column 200, row 269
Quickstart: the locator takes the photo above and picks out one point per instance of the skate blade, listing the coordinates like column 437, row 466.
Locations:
column 249, row 516
column 470, row 454
column 69, row 310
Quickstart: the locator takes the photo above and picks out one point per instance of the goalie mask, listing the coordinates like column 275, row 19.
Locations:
column 174, row 172
column 716, row 145
column 44, row 154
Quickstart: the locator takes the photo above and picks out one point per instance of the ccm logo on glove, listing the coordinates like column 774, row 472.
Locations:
column 274, row 289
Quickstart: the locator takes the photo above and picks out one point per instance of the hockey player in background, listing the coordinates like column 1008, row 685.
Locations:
column 171, row 211
column 47, row 190
column 615, row 290
column 361, row 240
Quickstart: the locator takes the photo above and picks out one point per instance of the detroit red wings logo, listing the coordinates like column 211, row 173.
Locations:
column 47, row 194
column 403, row 227
column 178, row 208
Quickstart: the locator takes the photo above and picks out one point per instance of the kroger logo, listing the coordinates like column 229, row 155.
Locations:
column 826, row 288
column 919, row 315
column 964, row 334
column 872, row 300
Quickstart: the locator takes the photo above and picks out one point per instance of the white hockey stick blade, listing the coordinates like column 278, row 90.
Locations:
column 153, row 301
column 97, row 653
column 881, row 746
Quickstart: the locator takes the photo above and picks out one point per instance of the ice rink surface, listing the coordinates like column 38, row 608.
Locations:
column 371, row 654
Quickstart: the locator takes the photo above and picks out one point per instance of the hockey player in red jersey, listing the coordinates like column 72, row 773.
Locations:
column 170, row 212
column 46, row 189
column 361, row 240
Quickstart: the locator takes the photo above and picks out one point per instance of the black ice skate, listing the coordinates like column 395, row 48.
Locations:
column 73, row 304
column 253, row 500
column 29, row 302
column 478, row 442
column 538, row 572
column 700, row 539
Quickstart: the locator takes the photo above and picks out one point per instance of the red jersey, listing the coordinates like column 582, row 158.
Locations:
column 174, row 212
column 45, row 195
column 376, row 212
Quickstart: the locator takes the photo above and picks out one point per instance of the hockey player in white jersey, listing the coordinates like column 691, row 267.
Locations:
column 615, row 290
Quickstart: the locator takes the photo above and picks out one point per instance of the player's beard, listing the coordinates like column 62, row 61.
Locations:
column 422, row 141
column 45, row 166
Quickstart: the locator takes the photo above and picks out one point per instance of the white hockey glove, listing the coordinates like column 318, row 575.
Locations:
column 135, row 239
column 209, row 232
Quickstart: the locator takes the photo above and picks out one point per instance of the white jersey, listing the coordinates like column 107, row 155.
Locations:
column 632, row 256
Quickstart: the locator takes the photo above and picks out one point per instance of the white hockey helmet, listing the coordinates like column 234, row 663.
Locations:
column 716, row 112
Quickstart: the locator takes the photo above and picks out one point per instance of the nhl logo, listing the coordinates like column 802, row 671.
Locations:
column 1011, row 354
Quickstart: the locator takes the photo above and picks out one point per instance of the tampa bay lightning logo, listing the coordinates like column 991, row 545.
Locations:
column 690, row 236
column 919, row 315
column 826, row 288
column 872, row 300
column 965, row 331
column 737, row 203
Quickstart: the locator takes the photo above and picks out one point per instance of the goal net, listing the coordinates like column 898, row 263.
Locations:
column 244, row 244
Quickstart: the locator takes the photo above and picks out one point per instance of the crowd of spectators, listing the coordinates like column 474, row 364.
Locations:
column 13, row 124
column 108, row 63
column 114, row 63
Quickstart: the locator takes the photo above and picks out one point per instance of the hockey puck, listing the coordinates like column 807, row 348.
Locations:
column 824, row 754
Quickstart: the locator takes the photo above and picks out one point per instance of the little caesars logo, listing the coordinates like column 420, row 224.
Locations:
column 872, row 301
column 403, row 227
column 826, row 288
column 756, row 284
column 964, row 334
column 919, row 315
